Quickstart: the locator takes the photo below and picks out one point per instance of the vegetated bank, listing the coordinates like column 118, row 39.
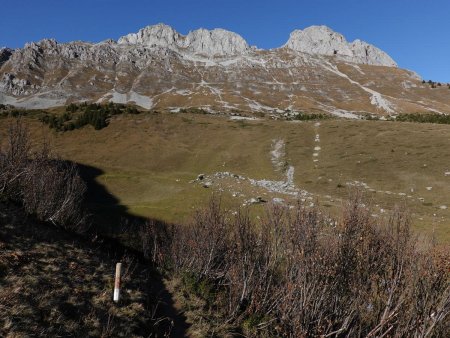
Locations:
column 56, row 284
column 424, row 118
column 56, row 272
column 78, row 115
column 75, row 116
column 294, row 273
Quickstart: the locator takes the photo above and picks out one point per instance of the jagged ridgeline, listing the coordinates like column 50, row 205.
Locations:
column 317, row 70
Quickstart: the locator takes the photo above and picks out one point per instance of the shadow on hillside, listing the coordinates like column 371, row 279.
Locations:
column 119, row 231
column 108, row 215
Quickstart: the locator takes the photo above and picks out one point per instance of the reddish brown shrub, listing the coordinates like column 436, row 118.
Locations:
column 295, row 274
column 48, row 188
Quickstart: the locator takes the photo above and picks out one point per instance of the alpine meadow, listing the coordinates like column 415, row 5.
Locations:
column 193, row 185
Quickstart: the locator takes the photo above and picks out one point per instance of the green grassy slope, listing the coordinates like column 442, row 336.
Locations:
column 148, row 162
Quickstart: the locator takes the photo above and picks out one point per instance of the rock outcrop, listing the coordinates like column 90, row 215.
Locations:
column 324, row 41
column 368, row 54
column 216, row 70
column 158, row 35
column 209, row 43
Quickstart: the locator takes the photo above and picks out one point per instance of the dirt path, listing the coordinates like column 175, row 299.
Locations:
column 317, row 147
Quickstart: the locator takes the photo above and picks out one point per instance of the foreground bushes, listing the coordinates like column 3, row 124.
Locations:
column 294, row 274
column 48, row 188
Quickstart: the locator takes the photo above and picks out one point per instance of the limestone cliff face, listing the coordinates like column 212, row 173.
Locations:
column 319, row 40
column 210, row 43
column 324, row 41
column 157, row 35
column 159, row 68
column 370, row 55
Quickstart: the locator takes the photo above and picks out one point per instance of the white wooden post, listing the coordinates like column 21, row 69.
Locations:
column 117, row 282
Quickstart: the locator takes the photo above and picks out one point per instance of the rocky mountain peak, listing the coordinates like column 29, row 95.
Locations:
column 364, row 52
column 323, row 40
column 318, row 40
column 157, row 35
column 216, row 42
column 159, row 68
column 210, row 43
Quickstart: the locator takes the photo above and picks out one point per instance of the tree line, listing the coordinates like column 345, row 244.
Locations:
column 79, row 115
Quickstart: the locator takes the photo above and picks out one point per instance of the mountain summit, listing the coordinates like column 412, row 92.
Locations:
column 324, row 41
column 317, row 70
column 320, row 40
column 210, row 43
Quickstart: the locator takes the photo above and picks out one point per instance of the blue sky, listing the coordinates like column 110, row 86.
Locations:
column 416, row 33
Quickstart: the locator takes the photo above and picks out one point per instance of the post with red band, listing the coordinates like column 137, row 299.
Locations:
column 117, row 282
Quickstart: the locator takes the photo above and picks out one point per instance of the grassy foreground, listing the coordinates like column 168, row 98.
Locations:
column 55, row 284
column 292, row 272
column 149, row 161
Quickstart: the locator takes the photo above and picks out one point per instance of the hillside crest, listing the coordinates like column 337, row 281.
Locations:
column 317, row 70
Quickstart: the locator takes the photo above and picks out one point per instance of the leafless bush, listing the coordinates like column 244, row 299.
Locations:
column 155, row 238
column 202, row 245
column 297, row 275
column 54, row 192
column 14, row 160
column 48, row 188
column 108, row 328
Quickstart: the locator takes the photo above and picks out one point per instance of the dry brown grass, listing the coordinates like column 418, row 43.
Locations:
column 53, row 284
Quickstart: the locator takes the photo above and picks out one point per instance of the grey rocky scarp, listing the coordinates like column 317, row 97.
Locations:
column 324, row 41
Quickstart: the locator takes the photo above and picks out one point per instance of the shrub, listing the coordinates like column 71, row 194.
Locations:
column 48, row 188
column 94, row 117
column 72, row 108
column 193, row 110
column 308, row 117
column 296, row 274
column 424, row 118
column 78, row 116
column 14, row 161
column 54, row 192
